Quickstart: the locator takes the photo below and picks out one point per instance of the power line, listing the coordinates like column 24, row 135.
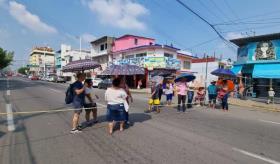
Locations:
column 204, row 20
column 202, row 43
column 254, row 16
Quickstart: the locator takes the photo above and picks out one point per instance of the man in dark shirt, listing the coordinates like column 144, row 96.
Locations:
column 78, row 101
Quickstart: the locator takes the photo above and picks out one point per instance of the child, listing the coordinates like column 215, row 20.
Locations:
column 271, row 95
column 200, row 96
column 169, row 93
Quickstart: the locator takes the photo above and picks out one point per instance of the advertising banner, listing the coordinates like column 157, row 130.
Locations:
column 257, row 52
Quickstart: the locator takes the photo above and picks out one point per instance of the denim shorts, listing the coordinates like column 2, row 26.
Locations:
column 115, row 112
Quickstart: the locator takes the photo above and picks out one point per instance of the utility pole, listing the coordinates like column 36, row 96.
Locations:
column 45, row 62
column 80, row 46
column 206, row 76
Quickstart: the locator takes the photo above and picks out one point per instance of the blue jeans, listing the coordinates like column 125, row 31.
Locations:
column 190, row 98
column 225, row 102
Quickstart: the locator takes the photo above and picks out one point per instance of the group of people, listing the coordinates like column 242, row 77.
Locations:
column 117, row 97
column 188, row 94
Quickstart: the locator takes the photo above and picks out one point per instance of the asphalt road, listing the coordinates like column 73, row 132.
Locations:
column 199, row 136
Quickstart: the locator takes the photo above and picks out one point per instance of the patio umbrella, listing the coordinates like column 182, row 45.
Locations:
column 188, row 76
column 223, row 73
column 80, row 65
column 157, row 79
column 125, row 69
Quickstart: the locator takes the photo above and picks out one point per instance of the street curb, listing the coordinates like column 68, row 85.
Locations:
column 257, row 107
column 141, row 92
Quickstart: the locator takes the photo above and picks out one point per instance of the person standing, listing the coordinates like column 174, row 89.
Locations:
column 78, row 101
column 181, row 88
column 129, row 97
column 223, row 95
column 191, row 88
column 212, row 94
column 115, row 97
column 271, row 95
column 90, row 105
column 169, row 92
column 154, row 101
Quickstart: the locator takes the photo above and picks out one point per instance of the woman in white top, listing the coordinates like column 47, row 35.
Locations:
column 116, row 102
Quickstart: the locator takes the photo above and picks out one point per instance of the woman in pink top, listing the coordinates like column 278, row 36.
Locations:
column 181, row 88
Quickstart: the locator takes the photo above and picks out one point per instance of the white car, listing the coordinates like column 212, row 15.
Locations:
column 96, row 81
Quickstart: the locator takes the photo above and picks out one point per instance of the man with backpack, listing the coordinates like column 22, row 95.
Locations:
column 76, row 95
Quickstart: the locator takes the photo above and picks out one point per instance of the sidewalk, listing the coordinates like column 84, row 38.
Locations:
column 144, row 90
column 254, row 104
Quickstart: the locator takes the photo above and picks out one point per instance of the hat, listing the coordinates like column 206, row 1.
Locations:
column 213, row 81
column 271, row 89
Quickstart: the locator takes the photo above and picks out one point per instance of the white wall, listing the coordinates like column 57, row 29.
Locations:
column 200, row 71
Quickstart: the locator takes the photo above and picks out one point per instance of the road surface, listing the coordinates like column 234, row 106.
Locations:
column 196, row 137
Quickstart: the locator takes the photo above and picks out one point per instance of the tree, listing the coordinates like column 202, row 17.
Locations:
column 5, row 58
column 23, row 70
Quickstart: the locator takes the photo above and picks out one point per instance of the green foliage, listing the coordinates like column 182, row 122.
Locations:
column 5, row 58
column 23, row 70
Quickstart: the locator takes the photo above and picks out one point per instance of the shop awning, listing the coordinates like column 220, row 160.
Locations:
column 236, row 69
column 268, row 71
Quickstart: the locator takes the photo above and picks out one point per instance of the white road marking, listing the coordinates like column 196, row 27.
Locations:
column 57, row 91
column 10, row 118
column 256, row 156
column 272, row 122
column 8, row 92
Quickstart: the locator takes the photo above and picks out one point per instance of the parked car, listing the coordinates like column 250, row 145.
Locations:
column 30, row 76
column 105, row 84
column 60, row 79
column 52, row 79
column 95, row 82
column 34, row 78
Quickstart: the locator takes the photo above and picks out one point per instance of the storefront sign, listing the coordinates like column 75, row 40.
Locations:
column 152, row 62
column 259, row 52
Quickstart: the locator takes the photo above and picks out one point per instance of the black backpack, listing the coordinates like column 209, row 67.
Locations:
column 69, row 94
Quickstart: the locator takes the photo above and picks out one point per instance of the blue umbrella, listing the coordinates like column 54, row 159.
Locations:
column 223, row 72
column 188, row 76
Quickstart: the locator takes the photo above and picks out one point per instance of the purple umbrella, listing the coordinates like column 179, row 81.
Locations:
column 223, row 72
column 125, row 69
column 80, row 65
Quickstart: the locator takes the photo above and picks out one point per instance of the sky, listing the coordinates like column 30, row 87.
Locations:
column 28, row 23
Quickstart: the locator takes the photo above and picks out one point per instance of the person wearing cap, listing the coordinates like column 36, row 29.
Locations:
column 212, row 94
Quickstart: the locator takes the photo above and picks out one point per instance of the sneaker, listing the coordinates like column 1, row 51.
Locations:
column 74, row 131
column 80, row 127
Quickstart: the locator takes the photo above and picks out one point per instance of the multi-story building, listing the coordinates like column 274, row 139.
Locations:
column 101, row 51
column 142, row 51
column 42, row 61
column 258, row 63
column 66, row 55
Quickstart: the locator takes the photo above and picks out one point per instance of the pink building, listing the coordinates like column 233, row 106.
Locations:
column 131, row 41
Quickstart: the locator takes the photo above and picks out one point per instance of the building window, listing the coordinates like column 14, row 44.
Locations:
column 168, row 55
column 129, row 56
column 102, row 47
column 186, row 65
column 135, row 41
column 105, row 46
column 141, row 55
